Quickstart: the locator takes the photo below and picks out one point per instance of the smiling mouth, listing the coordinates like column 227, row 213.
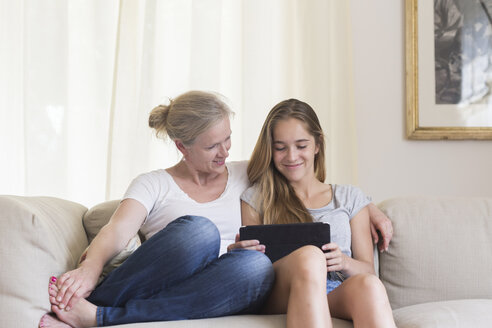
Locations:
column 292, row 166
column 219, row 162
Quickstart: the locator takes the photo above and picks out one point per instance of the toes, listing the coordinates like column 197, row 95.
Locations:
column 42, row 322
column 53, row 286
column 52, row 291
column 49, row 321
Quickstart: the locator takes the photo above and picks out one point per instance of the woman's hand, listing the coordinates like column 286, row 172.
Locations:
column 110, row 240
column 75, row 284
column 382, row 224
column 247, row 244
column 335, row 259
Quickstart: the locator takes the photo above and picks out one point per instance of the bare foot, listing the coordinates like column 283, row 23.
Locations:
column 82, row 315
column 48, row 321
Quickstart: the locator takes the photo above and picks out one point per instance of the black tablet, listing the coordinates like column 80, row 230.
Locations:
column 282, row 239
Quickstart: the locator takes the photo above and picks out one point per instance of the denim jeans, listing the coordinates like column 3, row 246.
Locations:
column 177, row 275
column 331, row 285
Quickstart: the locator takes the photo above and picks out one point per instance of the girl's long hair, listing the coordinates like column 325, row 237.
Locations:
column 277, row 200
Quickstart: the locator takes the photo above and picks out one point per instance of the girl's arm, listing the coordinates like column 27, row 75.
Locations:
column 248, row 217
column 111, row 239
column 362, row 251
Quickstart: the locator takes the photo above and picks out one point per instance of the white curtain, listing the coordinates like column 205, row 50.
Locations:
column 78, row 79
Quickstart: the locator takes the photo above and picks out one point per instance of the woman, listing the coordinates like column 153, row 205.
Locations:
column 287, row 171
column 177, row 273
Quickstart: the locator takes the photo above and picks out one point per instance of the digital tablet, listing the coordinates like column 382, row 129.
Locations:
column 282, row 239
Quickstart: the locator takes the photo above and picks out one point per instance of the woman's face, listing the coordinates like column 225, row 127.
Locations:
column 211, row 148
column 294, row 149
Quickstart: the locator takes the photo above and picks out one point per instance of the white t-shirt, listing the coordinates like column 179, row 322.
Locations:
column 165, row 201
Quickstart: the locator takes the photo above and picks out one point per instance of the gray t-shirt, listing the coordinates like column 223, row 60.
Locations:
column 347, row 201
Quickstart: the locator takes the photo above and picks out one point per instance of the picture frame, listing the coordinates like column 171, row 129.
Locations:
column 438, row 101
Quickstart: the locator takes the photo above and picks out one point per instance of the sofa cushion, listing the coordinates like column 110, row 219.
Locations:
column 474, row 313
column 94, row 220
column 236, row 321
column 97, row 216
column 440, row 250
column 39, row 237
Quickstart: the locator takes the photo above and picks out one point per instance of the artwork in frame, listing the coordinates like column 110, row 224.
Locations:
column 449, row 69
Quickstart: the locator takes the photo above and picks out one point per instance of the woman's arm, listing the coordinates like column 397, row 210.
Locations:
column 362, row 251
column 248, row 217
column 112, row 238
column 380, row 222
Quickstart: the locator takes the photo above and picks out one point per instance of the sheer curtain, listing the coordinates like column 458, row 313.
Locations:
column 78, row 79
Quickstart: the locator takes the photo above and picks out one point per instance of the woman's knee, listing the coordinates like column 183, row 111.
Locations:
column 196, row 223
column 198, row 227
column 189, row 234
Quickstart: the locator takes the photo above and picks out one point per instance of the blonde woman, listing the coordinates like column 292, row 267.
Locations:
column 287, row 172
column 179, row 272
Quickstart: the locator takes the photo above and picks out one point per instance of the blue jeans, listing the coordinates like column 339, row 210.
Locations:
column 331, row 285
column 177, row 275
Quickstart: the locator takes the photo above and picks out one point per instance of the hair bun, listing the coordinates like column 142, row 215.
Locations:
column 158, row 118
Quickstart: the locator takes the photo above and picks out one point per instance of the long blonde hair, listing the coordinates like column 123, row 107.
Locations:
column 188, row 115
column 277, row 200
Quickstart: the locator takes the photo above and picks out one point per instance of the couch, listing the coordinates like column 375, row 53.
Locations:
column 436, row 272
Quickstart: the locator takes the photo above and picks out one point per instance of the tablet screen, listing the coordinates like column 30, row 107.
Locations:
column 282, row 239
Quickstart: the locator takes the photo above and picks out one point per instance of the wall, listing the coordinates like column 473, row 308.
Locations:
column 389, row 165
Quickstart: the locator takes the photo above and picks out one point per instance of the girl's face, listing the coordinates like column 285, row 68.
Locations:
column 211, row 148
column 294, row 149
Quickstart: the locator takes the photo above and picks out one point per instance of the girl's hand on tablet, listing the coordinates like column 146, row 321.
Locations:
column 335, row 259
column 246, row 244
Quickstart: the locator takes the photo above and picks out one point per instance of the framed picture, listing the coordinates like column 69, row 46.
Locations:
column 449, row 69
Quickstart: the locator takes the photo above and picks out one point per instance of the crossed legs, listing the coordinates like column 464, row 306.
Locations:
column 175, row 275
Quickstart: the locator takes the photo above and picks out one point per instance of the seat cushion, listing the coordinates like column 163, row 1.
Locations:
column 236, row 321
column 440, row 251
column 476, row 313
column 39, row 237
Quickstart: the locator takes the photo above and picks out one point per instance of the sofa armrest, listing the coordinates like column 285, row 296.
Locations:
column 40, row 237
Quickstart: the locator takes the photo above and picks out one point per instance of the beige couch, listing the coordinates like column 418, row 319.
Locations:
column 437, row 271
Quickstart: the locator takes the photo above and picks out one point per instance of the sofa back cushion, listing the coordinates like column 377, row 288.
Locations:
column 441, row 250
column 97, row 216
column 94, row 219
column 39, row 237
